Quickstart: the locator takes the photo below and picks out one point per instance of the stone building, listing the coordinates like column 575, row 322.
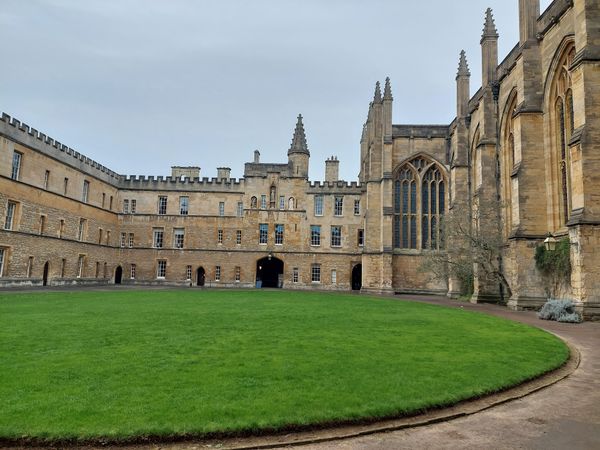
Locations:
column 529, row 137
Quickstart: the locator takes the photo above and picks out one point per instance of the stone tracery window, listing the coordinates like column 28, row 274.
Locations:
column 419, row 205
column 507, row 162
column 563, row 128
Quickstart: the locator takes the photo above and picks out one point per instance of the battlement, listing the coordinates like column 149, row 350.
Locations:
column 183, row 183
column 24, row 134
column 334, row 187
column 420, row 131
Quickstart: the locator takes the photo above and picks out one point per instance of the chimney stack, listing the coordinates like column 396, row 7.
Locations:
column 256, row 157
column 223, row 173
column 332, row 169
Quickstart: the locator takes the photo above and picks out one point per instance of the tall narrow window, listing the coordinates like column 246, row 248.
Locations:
column 240, row 209
column 405, row 206
column 110, row 203
column 29, row 266
column 219, row 236
column 278, row 234
column 295, row 275
column 161, row 268
column 221, row 208
column 63, row 267
column 162, row 204
column 184, row 205
column 178, row 237
column 86, row 191
column 357, row 207
column 238, row 237
column 125, row 206
column 2, row 256
column 281, row 202
column 123, row 239
column 130, row 240
column 318, row 205
column 65, row 186
column 61, row 228
column 238, row 274
column 336, row 236
column 103, row 199
column 338, row 206
column 42, row 224
column 217, row 273
column 100, row 235
column 16, row 165
column 361, row 238
column 46, row 179
column 80, row 266
column 133, row 206
column 132, row 270
column 188, row 273
column 315, row 273
column 333, row 276
column 315, row 235
column 81, row 229
column 11, row 210
column 263, row 233
column 432, row 208
column 263, row 202
column 158, row 234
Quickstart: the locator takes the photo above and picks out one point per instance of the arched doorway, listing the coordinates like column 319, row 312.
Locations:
column 118, row 275
column 200, row 276
column 357, row 277
column 45, row 275
column 269, row 272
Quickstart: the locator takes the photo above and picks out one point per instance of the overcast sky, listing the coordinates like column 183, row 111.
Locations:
column 141, row 85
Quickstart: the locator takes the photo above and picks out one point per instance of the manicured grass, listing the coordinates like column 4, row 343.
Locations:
column 135, row 363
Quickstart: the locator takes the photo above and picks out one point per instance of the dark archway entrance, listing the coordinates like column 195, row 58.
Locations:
column 269, row 272
column 200, row 276
column 45, row 275
column 118, row 275
column 357, row 277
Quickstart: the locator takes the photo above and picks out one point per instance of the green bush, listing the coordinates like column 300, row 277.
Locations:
column 555, row 266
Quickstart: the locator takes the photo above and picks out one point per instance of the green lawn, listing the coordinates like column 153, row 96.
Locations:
column 122, row 364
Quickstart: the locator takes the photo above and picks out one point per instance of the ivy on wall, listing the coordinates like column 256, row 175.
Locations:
column 555, row 266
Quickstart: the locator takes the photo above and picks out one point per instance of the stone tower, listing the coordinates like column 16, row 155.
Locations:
column 298, row 154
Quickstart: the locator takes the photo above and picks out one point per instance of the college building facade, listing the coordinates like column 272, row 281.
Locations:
column 529, row 138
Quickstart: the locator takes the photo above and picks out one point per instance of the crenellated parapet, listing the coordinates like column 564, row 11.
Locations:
column 187, row 184
column 336, row 187
column 30, row 137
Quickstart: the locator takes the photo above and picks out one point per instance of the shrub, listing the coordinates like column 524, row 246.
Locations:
column 559, row 310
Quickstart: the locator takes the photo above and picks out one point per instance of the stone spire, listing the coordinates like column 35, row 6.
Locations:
column 387, row 90
column 489, row 27
column 377, row 96
column 463, row 66
column 299, row 139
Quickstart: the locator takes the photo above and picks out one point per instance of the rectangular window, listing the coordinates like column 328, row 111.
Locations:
column 80, row 266
column 178, row 237
column 110, row 203
column 133, row 206
column 336, row 236
column 188, row 273
column 281, row 202
column 361, row 238
column 238, row 237
column 105, row 270
column 81, row 230
column 123, row 239
column 219, row 236
column 11, row 211
column 263, row 201
column 125, row 206
column 108, row 237
column 162, row 204
column 61, row 228
column 161, row 268
column 333, row 276
column 295, row 275
column 221, row 208
column 338, row 206
column 318, row 205
column 66, row 186
column 46, row 179
column 103, row 199
column 16, row 165
column 2, row 253
column 238, row 274
column 63, row 267
column 29, row 266
column 217, row 273
column 240, row 209
column 42, row 224
column 100, row 235
column 357, row 207
column 86, row 191
column 279, row 234
column 97, row 269
column 130, row 240
column 263, row 233
column 184, row 206
column 132, row 271
column 315, row 235
column 315, row 273
column 157, row 240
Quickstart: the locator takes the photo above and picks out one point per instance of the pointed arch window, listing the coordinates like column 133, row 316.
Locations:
column 564, row 125
column 419, row 205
